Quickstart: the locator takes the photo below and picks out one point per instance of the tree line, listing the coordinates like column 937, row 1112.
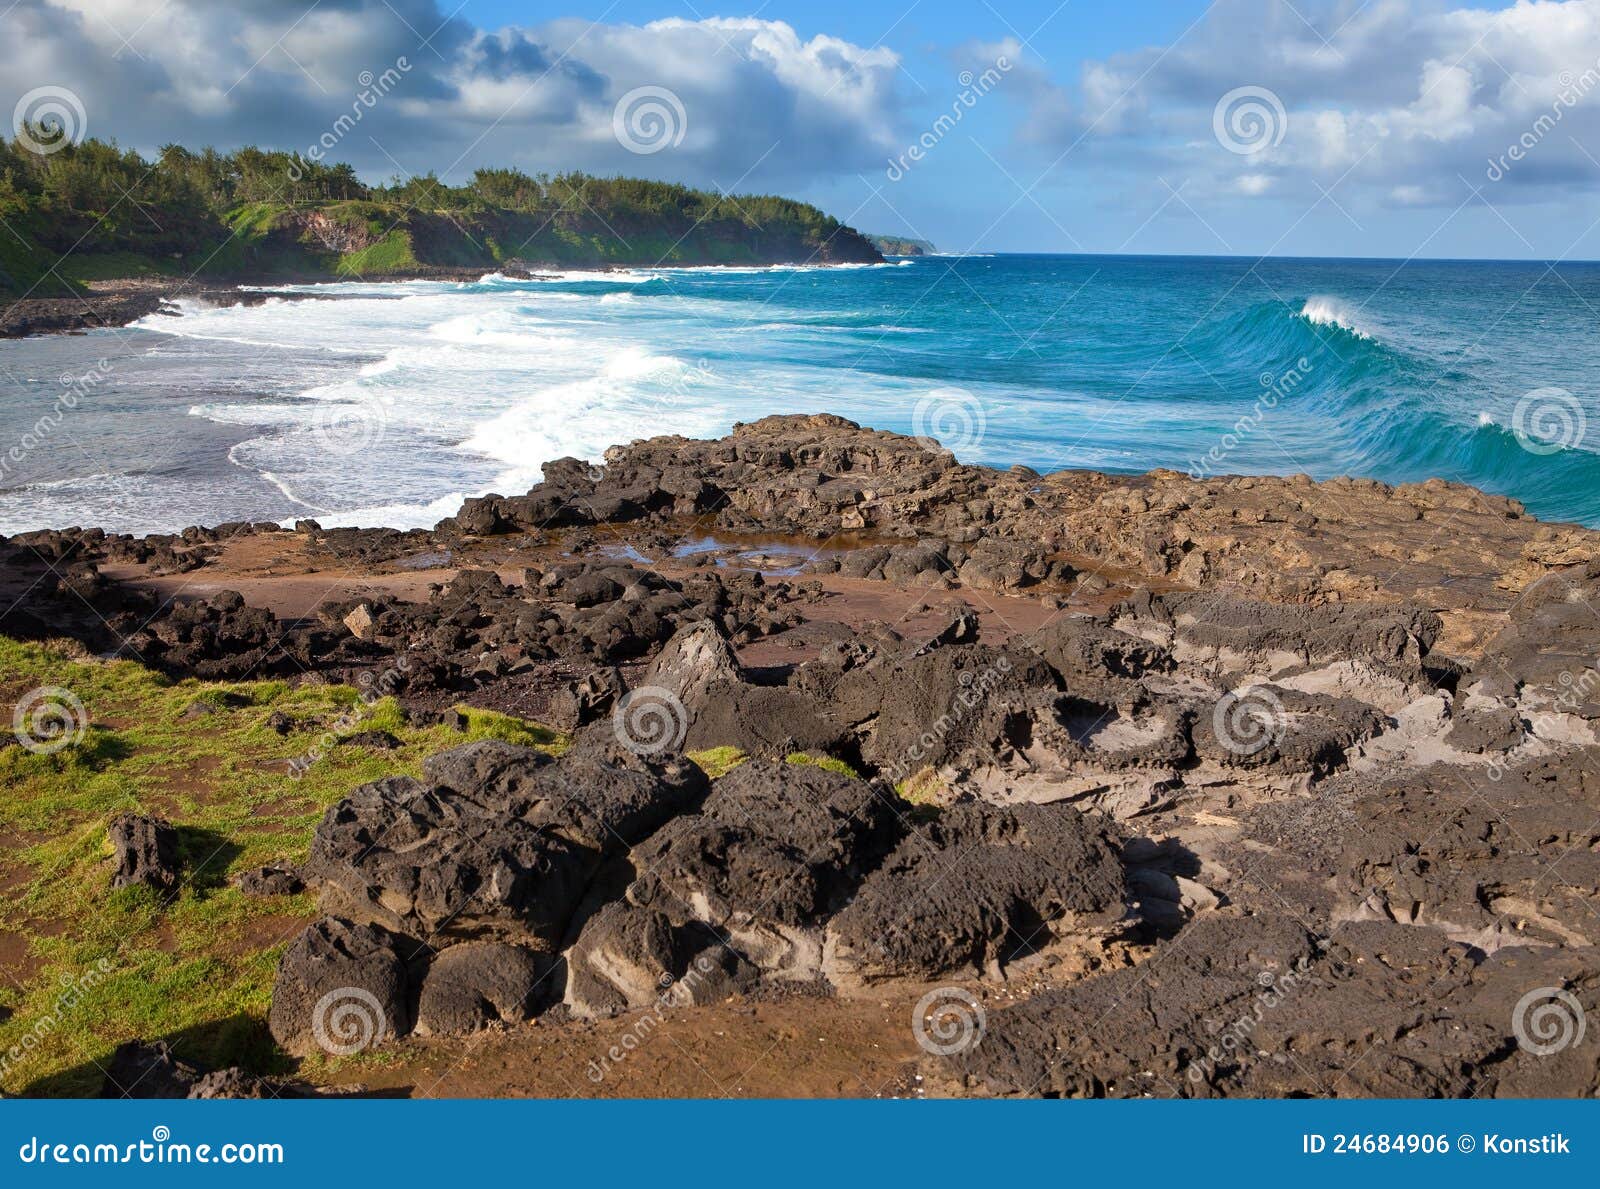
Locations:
column 96, row 177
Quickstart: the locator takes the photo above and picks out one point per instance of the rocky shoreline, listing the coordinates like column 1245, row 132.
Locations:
column 121, row 302
column 1139, row 785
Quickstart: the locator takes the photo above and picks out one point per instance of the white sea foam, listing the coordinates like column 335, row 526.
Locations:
column 123, row 503
column 258, row 414
column 283, row 487
column 478, row 385
column 1331, row 311
column 617, row 276
column 391, row 515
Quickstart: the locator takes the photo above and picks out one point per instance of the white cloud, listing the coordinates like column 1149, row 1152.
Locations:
column 755, row 93
column 1398, row 100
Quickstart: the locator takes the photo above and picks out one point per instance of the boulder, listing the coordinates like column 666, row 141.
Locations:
column 498, row 842
column 235, row 1083
column 144, row 851
column 776, row 848
column 140, row 1069
column 1256, row 1007
column 976, row 890
column 588, row 699
column 340, row 988
column 1083, row 651
column 360, row 622
column 924, row 709
column 697, row 658
column 270, row 881
column 473, row 985
column 629, row 957
column 1108, row 1036
column 475, row 766
column 443, row 866
column 1230, row 635
column 605, row 796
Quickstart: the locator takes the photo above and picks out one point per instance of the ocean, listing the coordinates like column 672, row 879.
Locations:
column 386, row 404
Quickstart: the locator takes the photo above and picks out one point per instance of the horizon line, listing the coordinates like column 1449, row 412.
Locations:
column 1402, row 260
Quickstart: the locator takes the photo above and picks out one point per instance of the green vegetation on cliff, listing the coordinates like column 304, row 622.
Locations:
column 94, row 211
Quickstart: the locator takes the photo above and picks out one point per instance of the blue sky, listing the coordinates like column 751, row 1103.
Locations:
column 1077, row 29
column 1311, row 127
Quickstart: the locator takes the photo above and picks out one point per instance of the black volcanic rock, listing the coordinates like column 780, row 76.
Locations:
column 145, row 852
column 475, row 984
column 976, row 890
column 341, row 987
column 1337, row 753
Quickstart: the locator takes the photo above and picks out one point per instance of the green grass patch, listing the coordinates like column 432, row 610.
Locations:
column 88, row 968
column 107, row 266
column 924, row 788
column 390, row 254
column 831, row 763
column 718, row 761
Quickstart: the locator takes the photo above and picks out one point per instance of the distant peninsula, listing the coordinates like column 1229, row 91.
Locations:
column 899, row 245
column 94, row 213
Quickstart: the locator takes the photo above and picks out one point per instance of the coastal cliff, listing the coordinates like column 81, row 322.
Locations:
column 204, row 218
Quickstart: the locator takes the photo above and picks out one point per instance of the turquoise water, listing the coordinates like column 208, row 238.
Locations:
column 388, row 403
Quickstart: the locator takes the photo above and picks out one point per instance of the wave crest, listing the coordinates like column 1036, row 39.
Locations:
column 1330, row 311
